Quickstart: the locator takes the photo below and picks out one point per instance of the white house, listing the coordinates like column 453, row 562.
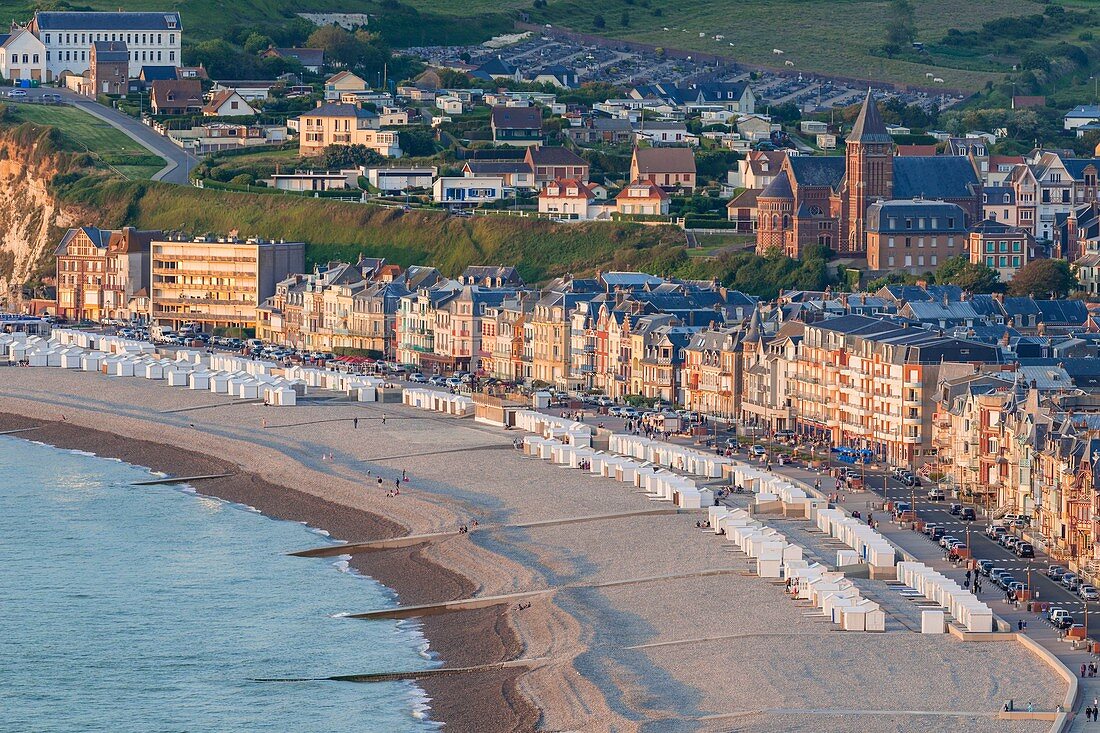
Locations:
column 567, row 199
column 153, row 39
column 22, row 56
column 227, row 103
column 461, row 191
column 449, row 105
column 394, row 180
column 1082, row 114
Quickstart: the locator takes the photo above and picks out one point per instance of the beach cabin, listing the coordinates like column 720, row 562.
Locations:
column 197, row 380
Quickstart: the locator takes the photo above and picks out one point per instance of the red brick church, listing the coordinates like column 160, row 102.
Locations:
column 824, row 200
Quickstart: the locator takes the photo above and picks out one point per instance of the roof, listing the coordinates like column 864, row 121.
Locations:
column 152, row 73
column 542, row 155
column 779, row 188
column 869, row 127
column 992, row 226
column 517, row 118
column 111, row 51
column 496, row 67
column 911, row 150
column 810, row 170
column 221, row 98
column 340, row 76
column 562, row 187
column 996, row 195
column 899, row 216
column 96, row 21
column 934, row 177
column 773, row 158
column 628, row 279
column 497, row 166
column 744, row 200
column 653, row 191
column 184, row 93
column 1083, row 111
column 338, row 109
column 664, row 160
column 305, row 56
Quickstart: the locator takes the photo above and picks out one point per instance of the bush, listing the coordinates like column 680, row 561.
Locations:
column 244, row 179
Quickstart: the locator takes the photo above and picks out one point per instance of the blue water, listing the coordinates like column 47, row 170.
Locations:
column 126, row 608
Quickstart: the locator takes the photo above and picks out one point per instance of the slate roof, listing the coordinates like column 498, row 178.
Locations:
column 779, row 188
column 338, row 109
column 1063, row 311
column 152, row 73
column 665, row 160
column 542, row 155
column 517, row 118
column 497, row 166
column 304, row 56
column 995, row 195
column 949, row 218
column 1076, row 166
column 811, row 170
column 936, row 177
column 96, row 21
column 869, row 127
column 111, row 51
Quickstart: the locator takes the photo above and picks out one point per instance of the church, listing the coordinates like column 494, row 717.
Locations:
column 826, row 199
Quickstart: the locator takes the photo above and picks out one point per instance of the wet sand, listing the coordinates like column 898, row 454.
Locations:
column 488, row 702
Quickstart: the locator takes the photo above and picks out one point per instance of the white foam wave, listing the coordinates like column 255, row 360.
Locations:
column 341, row 614
column 82, row 453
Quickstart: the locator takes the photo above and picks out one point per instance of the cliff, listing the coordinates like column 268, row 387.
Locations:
column 32, row 217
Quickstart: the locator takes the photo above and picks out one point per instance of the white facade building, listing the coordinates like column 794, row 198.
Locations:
column 22, row 56
column 154, row 39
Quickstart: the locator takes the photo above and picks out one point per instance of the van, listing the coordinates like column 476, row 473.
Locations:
column 936, row 495
column 254, row 343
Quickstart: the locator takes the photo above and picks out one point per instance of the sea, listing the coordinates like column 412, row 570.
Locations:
column 153, row 608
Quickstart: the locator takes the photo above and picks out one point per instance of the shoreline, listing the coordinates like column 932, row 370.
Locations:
column 488, row 701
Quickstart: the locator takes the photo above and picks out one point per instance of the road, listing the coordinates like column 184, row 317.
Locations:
column 180, row 162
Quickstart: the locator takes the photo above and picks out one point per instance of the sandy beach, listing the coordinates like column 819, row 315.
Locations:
column 666, row 649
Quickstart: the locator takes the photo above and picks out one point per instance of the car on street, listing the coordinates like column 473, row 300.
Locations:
column 18, row 94
column 418, row 378
column 628, row 412
column 732, row 443
column 984, row 566
column 1070, row 581
column 1025, row 549
column 758, row 450
column 956, row 509
column 910, row 479
column 1088, row 593
column 945, row 540
column 1055, row 572
column 968, row 514
column 936, row 495
column 1065, row 622
column 1010, row 543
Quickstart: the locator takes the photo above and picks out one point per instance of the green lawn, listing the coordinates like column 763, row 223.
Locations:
column 84, row 132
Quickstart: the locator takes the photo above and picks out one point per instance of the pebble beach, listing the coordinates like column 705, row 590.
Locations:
column 662, row 648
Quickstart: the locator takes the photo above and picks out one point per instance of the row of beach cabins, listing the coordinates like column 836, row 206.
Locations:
column 235, row 376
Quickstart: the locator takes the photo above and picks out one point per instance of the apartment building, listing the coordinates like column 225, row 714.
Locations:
column 1001, row 247
column 217, row 283
column 100, row 273
column 914, row 235
column 870, row 383
column 712, row 373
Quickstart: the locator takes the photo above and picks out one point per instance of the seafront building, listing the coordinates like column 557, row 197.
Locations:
column 103, row 274
column 216, row 283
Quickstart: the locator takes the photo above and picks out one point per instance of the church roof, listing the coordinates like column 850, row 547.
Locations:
column 869, row 127
column 934, row 177
column 779, row 188
column 812, row 170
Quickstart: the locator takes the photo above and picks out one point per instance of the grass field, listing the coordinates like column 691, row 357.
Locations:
column 82, row 132
column 834, row 37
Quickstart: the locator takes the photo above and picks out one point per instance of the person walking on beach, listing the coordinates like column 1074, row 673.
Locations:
column 383, row 418
column 355, row 423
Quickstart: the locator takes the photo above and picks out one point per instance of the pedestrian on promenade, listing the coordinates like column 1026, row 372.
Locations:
column 383, row 418
column 355, row 423
column 1082, row 669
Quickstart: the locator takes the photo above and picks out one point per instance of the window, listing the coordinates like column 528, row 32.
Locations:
column 36, row 58
column 990, row 246
column 890, row 242
column 950, row 222
column 990, row 261
column 1003, row 261
column 908, row 223
column 920, row 261
column 1015, row 260
column 1016, row 246
column 934, row 260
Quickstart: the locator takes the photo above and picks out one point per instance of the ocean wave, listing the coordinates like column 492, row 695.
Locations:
column 341, row 614
column 76, row 452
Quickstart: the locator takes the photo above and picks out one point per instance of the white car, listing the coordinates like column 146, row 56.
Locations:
column 18, row 94
column 758, row 450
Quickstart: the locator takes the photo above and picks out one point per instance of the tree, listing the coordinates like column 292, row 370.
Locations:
column 598, row 22
column 1043, row 278
column 901, row 27
column 257, row 42
column 624, row 21
column 417, row 142
column 349, row 156
column 971, row 277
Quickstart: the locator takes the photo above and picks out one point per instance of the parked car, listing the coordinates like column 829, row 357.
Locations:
column 910, row 479
column 418, row 378
column 1010, row 543
column 956, row 509
column 936, row 495
column 1065, row 622
column 758, row 450
column 968, row 514
column 1070, row 581
column 615, row 411
column 984, row 566
column 1025, row 549
column 18, row 94
column 1088, row 593
column 1055, row 572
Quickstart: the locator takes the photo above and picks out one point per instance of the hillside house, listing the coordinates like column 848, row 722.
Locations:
column 227, row 103
column 516, row 125
column 108, row 69
column 175, row 96
column 335, row 123
column 550, row 164
column 642, row 198
column 311, row 59
column 669, row 168
column 342, row 82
